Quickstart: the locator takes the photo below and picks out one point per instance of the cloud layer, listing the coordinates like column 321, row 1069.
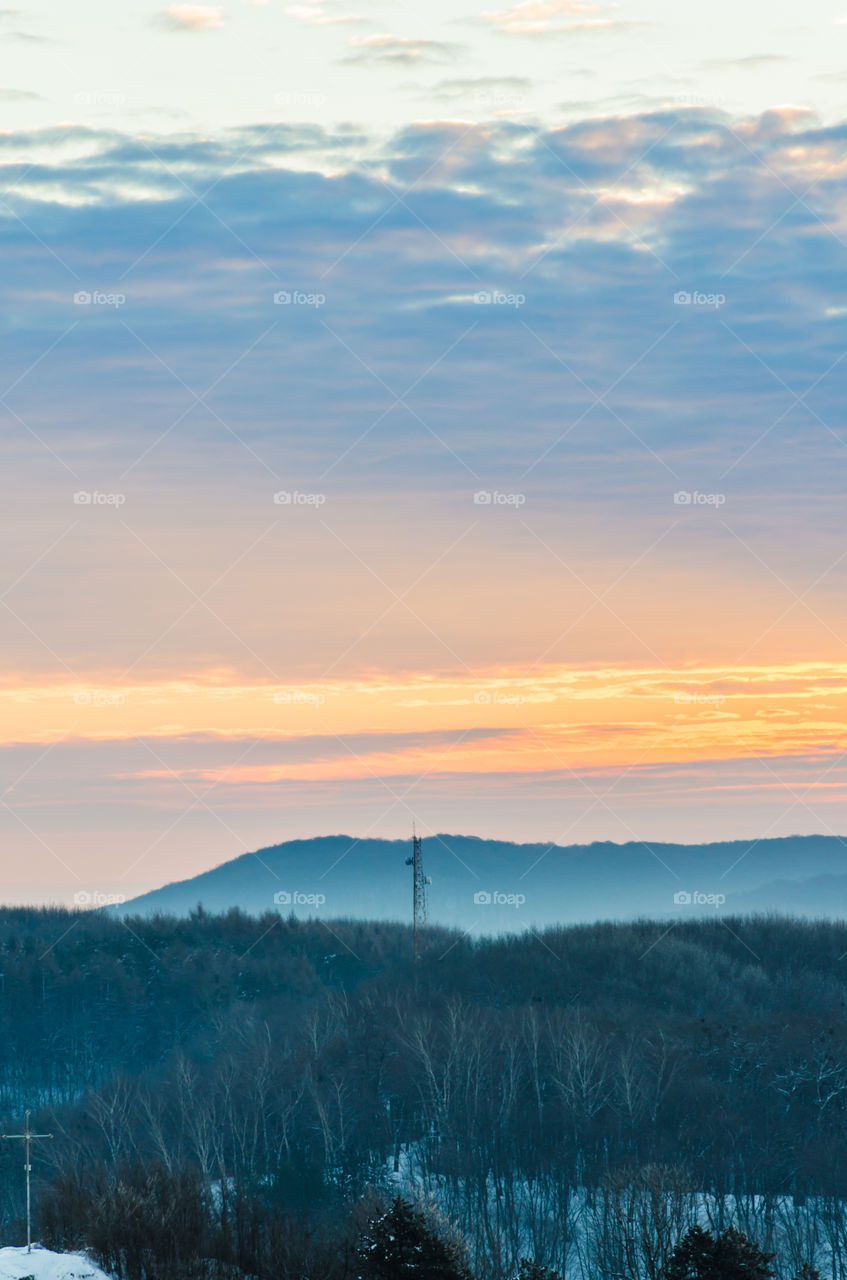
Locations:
column 305, row 409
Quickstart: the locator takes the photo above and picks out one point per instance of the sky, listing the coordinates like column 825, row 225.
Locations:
column 418, row 414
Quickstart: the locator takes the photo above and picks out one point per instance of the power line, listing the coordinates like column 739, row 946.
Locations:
column 28, row 1138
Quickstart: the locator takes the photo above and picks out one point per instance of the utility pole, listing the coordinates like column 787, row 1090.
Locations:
column 419, row 884
column 28, row 1137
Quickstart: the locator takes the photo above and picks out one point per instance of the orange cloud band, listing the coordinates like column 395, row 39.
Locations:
column 499, row 721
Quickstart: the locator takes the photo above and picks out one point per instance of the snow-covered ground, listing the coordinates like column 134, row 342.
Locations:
column 43, row 1264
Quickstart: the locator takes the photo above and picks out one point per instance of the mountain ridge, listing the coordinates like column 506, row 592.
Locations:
column 481, row 882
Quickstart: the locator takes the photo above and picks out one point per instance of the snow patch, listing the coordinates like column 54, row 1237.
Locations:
column 44, row 1264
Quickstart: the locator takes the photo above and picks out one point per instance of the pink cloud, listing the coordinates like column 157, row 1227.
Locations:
column 192, row 17
column 534, row 17
column 318, row 13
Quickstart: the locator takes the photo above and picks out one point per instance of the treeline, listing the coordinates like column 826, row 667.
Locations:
column 548, row 1090
column 152, row 1225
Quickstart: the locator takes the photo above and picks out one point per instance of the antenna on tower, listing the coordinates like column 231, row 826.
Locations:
column 419, row 884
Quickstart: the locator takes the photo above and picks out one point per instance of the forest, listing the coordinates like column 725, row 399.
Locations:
column 236, row 1096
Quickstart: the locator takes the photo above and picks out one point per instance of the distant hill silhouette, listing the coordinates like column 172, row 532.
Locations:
column 537, row 884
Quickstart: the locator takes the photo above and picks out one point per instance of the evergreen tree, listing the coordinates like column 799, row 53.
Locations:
column 729, row 1256
column 808, row 1272
column 534, row 1271
column 403, row 1244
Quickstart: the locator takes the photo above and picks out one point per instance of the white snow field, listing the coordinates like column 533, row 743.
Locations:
column 43, row 1264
